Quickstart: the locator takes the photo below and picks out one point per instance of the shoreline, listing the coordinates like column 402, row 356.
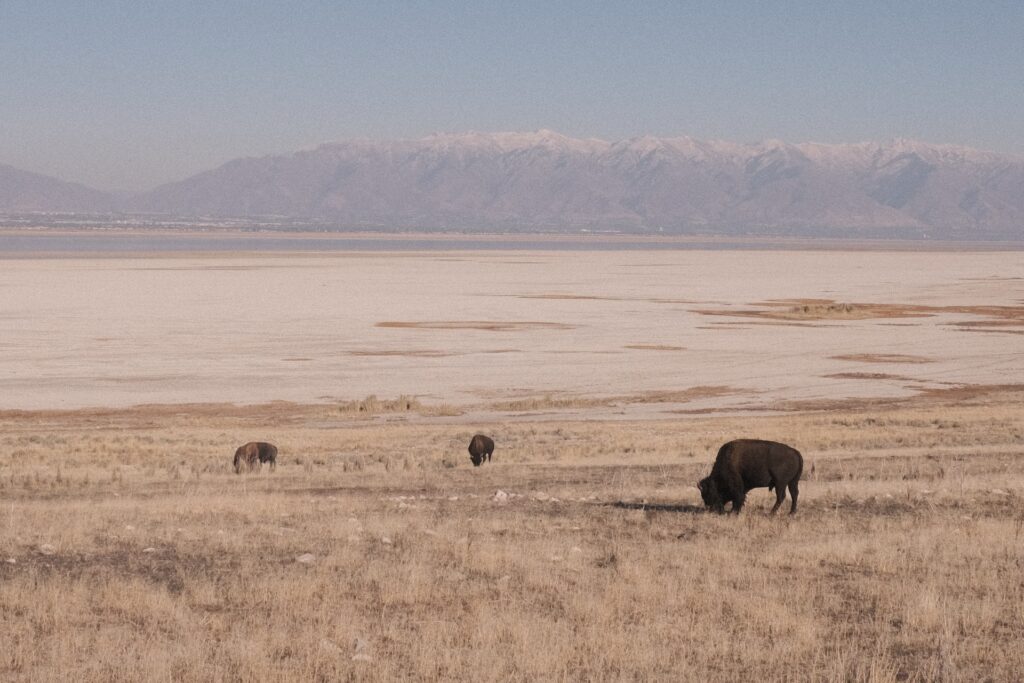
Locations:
column 245, row 241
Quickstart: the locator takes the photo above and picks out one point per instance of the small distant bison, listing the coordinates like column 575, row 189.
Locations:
column 255, row 453
column 480, row 449
column 747, row 464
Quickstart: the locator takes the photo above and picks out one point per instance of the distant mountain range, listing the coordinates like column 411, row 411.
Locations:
column 543, row 181
column 21, row 191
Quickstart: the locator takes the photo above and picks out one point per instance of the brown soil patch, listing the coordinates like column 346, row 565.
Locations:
column 405, row 354
column 569, row 297
column 957, row 395
column 654, row 347
column 989, row 330
column 827, row 309
column 867, row 375
column 684, row 395
column 882, row 358
column 485, row 325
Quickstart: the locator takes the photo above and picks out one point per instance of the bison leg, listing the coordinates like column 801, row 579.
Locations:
column 794, row 491
column 780, row 495
column 737, row 502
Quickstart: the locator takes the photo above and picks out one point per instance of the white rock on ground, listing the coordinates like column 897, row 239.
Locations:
column 362, row 647
column 306, row 558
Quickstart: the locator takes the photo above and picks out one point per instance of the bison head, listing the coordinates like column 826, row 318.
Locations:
column 709, row 492
column 476, row 458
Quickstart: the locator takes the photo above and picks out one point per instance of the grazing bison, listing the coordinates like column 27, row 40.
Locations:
column 255, row 453
column 747, row 464
column 480, row 449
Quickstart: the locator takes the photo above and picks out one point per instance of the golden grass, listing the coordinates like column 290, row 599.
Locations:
column 129, row 551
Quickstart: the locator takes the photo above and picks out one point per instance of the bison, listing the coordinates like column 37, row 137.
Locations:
column 480, row 449
column 747, row 464
column 255, row 453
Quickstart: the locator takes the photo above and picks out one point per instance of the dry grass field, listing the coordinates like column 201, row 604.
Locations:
column 129, row 551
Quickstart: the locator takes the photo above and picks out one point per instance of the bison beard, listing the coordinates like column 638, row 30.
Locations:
column 747, row 464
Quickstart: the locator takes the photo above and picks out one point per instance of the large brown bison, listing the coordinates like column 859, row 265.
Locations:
column 747, row 464
column 480, row 449
column 255, row 453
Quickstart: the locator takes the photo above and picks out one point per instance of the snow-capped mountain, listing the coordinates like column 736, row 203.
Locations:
column 546, row 181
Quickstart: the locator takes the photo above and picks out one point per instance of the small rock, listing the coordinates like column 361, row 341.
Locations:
column 329, row 646
column 362, row 650
column 11, row 560
column 430, row 532
column 540, row 495
column 149, row 550
column 1000, row 492
column 385, row 540
column 306, row 558
column 500, row 497
column 453, row 498
column 47, row 549
column 576, row 549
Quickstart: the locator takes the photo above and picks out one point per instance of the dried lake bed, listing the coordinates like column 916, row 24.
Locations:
column 625, row 333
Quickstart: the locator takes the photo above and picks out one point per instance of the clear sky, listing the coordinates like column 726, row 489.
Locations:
column 126, row 95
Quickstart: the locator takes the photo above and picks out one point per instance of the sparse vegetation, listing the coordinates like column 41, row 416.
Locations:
column 377, row 552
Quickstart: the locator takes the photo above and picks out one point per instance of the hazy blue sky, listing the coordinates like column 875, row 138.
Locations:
column 130, row 94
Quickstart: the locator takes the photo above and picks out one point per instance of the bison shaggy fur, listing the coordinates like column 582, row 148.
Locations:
column 254, row 454
column 747, row 464
column 480, row 449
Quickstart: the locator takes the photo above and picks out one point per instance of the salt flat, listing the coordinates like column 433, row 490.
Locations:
column 476, row 328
